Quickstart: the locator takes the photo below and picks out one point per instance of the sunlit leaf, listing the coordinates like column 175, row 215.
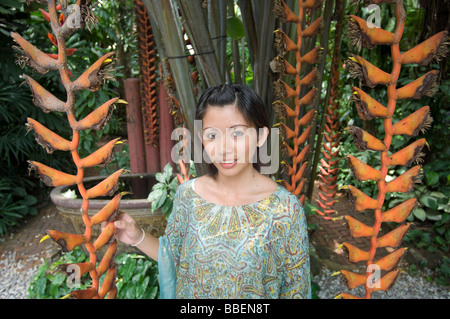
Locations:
column 235, row 28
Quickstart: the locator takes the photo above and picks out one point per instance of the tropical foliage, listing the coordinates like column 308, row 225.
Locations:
column 203, row 43
column 137, row 277
column 16, row 144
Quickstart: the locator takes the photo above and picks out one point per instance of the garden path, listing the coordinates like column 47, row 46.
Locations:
column 25, row 241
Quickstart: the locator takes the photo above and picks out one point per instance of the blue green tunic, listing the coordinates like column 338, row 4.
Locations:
column 259, row 250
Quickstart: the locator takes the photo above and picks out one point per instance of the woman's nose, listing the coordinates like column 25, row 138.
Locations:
column 226, row 145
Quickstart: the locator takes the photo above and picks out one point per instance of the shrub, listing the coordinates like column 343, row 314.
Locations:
column 137, row 277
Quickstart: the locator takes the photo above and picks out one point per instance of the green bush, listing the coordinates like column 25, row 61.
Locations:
column 18, row 192
column 443, row 272
column 15, row 203
column 50, row 284
column 163, row 193
column 137, row 278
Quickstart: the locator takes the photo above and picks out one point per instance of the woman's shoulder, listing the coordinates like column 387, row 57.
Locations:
column 287, row 196
column 185, row 189
column 285, row 204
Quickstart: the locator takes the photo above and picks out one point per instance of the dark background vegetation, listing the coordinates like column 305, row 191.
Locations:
column 21, row 195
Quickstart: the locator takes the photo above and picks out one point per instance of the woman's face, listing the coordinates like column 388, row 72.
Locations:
column 229, row 140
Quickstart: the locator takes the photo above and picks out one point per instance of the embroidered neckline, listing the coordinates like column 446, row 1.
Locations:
column 266, row 199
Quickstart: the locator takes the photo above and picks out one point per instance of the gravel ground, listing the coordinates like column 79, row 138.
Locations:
column 405, row 287
column 15, row 283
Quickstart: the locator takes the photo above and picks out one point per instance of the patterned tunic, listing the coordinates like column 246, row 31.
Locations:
column 259, row 250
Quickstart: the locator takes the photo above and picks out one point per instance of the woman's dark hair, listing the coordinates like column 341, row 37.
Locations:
column 246, row 100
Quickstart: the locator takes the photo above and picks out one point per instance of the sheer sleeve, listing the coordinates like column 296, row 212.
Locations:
column 166, row 268
column 296, row 279
column 170, row 246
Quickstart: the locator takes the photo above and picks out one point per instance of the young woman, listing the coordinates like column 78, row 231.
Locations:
column 233, row 233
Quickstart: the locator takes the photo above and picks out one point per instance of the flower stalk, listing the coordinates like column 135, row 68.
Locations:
column 380, row 274
column 294, row 137
column 91, row 79
column 330, row 151
column 147, row 60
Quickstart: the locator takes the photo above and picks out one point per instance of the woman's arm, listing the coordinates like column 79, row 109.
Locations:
column 130, row 233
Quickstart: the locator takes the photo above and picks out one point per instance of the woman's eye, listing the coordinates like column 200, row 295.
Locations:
column 210, row 136
column 238, row 133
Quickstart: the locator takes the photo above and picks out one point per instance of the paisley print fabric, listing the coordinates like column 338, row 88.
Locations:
column 259, row 250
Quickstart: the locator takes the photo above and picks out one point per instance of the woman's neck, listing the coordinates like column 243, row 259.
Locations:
column 238, row 184
column 247, row 187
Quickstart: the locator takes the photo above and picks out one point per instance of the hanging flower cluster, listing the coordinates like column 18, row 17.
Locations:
column 101, row 271
column 294, row 137
column 381, row 273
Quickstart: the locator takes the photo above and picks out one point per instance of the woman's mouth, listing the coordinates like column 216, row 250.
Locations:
column 228, row 164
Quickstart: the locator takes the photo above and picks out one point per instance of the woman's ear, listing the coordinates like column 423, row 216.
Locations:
column 263, row 133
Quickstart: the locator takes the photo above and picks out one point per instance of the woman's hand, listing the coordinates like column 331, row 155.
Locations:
column 127, row 231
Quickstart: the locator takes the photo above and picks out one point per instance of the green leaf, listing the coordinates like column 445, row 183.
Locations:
column 58, row 279
column 119, row 285
column 159, row 186
column 235, row 28
column 439, row 240
column 421, row 188
column 154, row 276
column 429, row 201
column 29, row 200
column 310, row 209
column 152, row 293
column 438, row 194
column 160, row 177
column 159, row 201
column 33, row 211
column 431, row 249
column 432, row 178
column 129, row 269
column 40, row 286
column 433, row 214
column 10, row 214
column 19, row 191
column 136, row 278
column 440, row 230
column 166, row 207
column 156, row 194
column 11, row 3
column 141, row 288
column 168, row 171
column 130, row 292
column 91, row 101
column 174, row 184
column 420, row 214
column 23, row 211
